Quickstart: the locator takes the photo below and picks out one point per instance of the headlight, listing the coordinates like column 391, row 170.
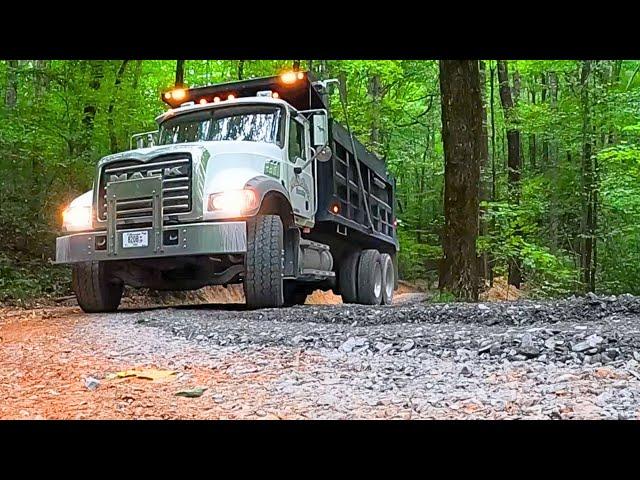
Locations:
column 76, row 218
column 233, row 202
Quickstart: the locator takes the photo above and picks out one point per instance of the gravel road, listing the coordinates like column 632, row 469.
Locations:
column 573, row 359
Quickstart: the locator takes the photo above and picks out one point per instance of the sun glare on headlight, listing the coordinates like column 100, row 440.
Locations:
column 233, row 202
column 76, row 218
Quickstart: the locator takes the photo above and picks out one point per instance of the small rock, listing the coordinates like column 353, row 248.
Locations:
column 567, row 377
column 327, row 399
column 352, row 343
column 91, row 383
column 191, row 393
column 383, row 347
column 527, row 347
column 550, row 343
column 482, row 306
column 200, row 337
column 407, row 345
column 594, row 340
column 580, row 347
column 465, row 372
column 636, row 356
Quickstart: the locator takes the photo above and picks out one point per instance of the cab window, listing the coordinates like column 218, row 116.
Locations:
column 296, row 140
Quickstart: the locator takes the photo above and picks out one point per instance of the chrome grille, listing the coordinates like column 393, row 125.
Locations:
column 176, row 187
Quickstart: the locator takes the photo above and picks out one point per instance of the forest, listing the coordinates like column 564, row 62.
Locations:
column 557, row 152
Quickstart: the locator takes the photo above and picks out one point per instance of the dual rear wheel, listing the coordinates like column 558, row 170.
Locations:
column 367, row 277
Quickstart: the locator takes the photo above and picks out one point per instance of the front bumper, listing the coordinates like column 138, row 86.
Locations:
column 193, row 239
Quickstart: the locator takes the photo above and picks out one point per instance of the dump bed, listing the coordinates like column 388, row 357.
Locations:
column 344, row 192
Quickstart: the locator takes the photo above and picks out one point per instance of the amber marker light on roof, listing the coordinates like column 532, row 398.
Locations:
column 231, row 97
column 179, row 94
column 275, row 95
column 335, row 208
column 203, row 101
column 288, row 77
column 300, row 75
column 167, row 95
column 216, row 99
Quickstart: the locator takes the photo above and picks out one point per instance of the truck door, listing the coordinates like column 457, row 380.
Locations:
column 301, row 186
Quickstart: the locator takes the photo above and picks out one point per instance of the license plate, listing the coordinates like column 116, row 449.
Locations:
column 135, row 239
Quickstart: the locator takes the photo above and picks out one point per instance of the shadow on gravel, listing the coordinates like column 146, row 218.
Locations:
column 231, row 307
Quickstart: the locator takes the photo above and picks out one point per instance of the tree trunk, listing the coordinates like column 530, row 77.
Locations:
column 375, row 93
column 484, row 187
column 516, row 86
column 90, row 108
column 11, row 95
column 589, row 187
column 179, row 73
column 240, row 69
column 615, row 74
column 545, row 142
column 462, row 141
column 493, row 133
column 296, row 65
column 136, row 75
column 514, row 162
column 552, row 159
column 113, row 139
column 41, row 78
column 532, row 140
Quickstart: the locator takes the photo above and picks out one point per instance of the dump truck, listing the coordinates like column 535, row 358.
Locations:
column 249, row 182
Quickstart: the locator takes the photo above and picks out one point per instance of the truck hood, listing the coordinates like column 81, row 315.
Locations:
column 145, row 154
column 232, row 164
column 217, row 166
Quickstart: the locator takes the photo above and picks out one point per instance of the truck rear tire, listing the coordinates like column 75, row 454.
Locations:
column 370, row 278
column 348, row 277
column 263, row 285
column 388, row 278
column 96, row 290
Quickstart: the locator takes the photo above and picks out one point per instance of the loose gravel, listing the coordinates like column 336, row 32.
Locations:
column 575, row 358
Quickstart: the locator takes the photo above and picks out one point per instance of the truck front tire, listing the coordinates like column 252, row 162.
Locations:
column 370, row 280
column 96, row 290
column 263, row 285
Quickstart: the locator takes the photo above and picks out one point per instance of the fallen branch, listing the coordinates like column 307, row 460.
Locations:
column 64, row 299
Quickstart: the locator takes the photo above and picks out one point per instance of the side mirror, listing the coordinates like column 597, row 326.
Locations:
column 142, row 140
column 324, row 154
column 320, row 129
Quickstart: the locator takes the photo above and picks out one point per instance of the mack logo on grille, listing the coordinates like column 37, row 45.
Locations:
column 166, row 173
column 176, row 187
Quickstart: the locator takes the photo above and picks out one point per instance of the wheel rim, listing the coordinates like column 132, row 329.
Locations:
column 377, row 281
column 389, row 279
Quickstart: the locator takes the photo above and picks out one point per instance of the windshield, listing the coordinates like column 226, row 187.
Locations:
column 252, row 123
